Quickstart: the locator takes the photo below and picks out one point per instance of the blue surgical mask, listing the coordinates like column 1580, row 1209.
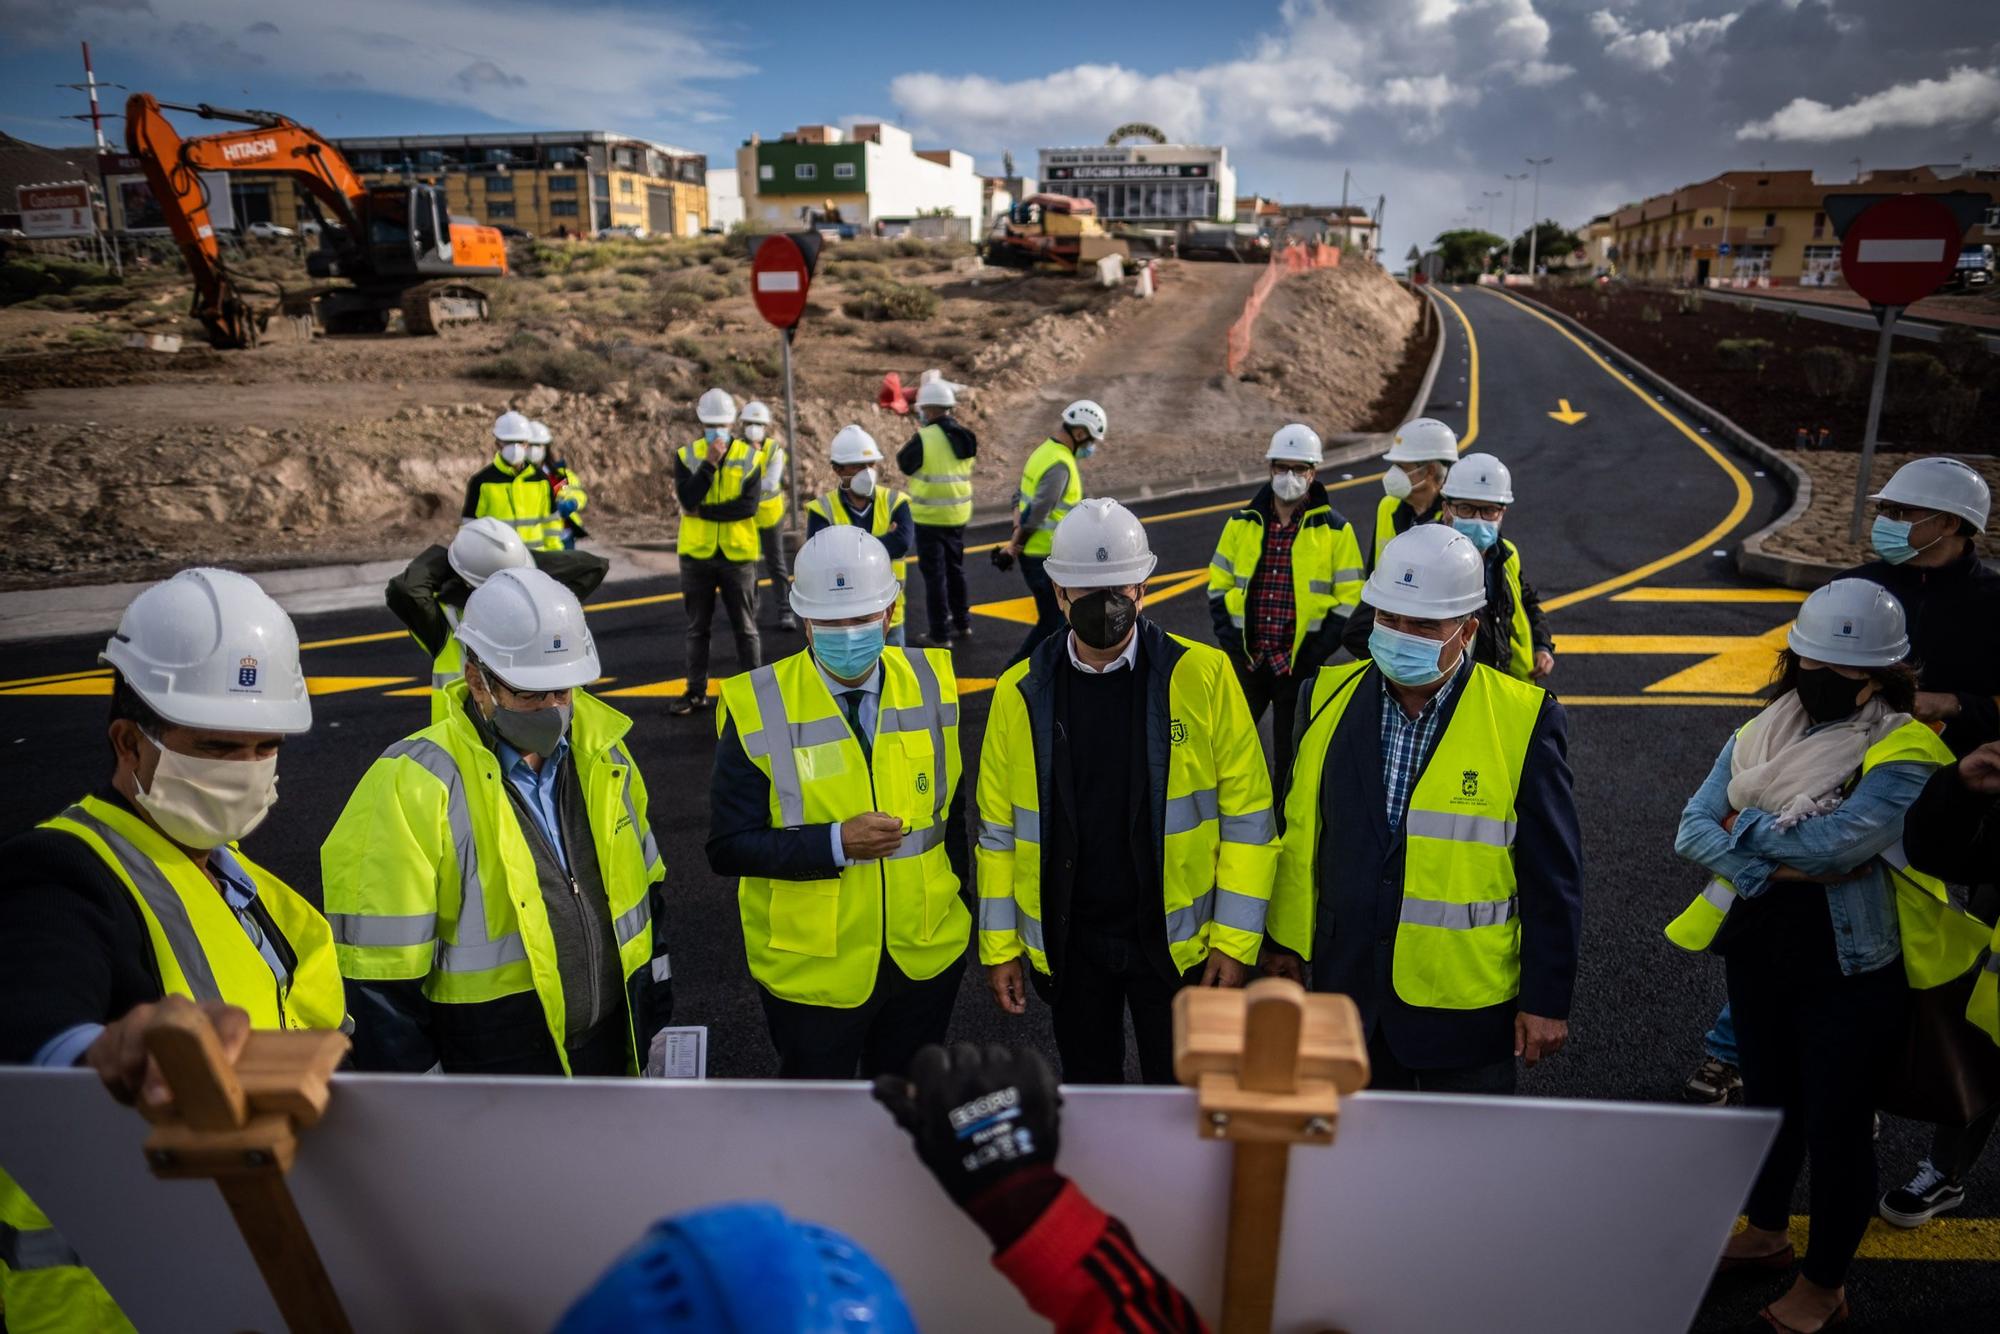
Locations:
column 1483, row 532
column 1087, row 451
column 1408, row 660
column 1891, row 539
column 715, row 435
column 850, row 652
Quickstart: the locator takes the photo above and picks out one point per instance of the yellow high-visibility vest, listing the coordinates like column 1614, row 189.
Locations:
column 771, row 509
column 1518, row 655
column 1326, row 571
column 1048, row 455
column 820, row 942
column 881, row 518
column 1458, row 936
column 741, row 468
column 941, row 488
column 525, row 503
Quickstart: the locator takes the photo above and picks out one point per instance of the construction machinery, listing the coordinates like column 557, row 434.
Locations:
column 391, row 247
column 1049, row 229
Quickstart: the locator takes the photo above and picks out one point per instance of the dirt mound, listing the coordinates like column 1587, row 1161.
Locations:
column 1329, row 342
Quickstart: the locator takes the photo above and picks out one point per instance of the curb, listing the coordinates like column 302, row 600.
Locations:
column 1751, row 556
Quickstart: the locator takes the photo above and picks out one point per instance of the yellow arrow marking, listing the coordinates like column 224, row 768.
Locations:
column 1568, row 416
column 1741, row 670
column 1710, row 595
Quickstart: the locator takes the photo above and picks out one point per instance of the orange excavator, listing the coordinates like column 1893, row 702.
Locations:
column 395, row 246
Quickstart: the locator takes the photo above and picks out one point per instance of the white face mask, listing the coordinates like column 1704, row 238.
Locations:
column 1396, row 482
column 536, row 453
column 513, row 454
column 1289, row 486
column 863, row 484
column 754, row 434
column 204, row 803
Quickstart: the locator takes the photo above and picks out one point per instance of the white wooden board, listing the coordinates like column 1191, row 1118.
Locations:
column 487, row 1205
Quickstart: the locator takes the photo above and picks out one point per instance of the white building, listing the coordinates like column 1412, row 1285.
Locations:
column 725, row 200
column 1155, row 183
column 872, row 174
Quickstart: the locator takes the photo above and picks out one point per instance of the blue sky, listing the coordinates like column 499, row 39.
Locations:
column 1429, row 102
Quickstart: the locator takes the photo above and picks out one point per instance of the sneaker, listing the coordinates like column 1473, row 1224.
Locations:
column 962, row 631
column 679, row 705
column 701, row 701
column 938, row 641
column 1714, row 1082
column 1928, row 1194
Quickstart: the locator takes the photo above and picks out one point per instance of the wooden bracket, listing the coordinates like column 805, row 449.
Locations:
column 1269, row 1064
column 238, row 1124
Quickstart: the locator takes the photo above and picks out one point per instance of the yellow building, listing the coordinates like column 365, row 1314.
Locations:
column 1763, row 228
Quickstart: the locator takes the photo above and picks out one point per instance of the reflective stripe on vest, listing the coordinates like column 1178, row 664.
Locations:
column 162, row 902
column 1048, row 455
column 941, row 489
column 524, row 502
column 1325, row 570
column 735, row 539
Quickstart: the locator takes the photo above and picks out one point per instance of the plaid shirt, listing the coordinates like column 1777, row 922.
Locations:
column 1270, row 610
column 1407, row 742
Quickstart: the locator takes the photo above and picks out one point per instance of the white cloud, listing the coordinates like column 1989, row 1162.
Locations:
column 1540, row 73
column 1962, row 97
column 534, row 62
column 1654, row 49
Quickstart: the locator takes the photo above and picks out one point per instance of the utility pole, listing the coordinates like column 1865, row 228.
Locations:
column 1346, row 236
column 1728, row 251
column 1513, row 208
column 1381, row 203
column 1535, row 212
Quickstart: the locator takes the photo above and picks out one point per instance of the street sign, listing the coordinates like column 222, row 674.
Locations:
column 1900, row 249
column 59, row 209
column 780, row 274
column 1722, row 249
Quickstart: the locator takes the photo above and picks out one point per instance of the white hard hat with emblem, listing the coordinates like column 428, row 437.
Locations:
column 483, row 547
column 715, row 408
column 529, row 631
column 1099, row 544
column 1941, row 484
column 1431, row 572
column 842, row 572
column 210, row 649
column 512, row 428
column 851, row 444
column 1481, row 478
column 1423, row 440
column 1851, row 623
column 1295, row 444
column 1085, row 413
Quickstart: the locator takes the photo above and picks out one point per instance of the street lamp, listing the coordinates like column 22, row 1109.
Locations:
column 1495, row 194
column 1513, row 205
column 1726, row 252
column 1535, row 211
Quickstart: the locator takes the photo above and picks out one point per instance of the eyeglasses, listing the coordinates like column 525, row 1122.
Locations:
column 1465, row 509
column 1889, row 509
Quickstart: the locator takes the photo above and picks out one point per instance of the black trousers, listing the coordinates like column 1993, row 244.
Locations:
column 1101, row 979
column 1048, row 615
column 1264, row 689
column 941, row 558
column 1386, row 1072
column 879, row 1036
column 704, row 580
column 1954, row 1149
column 776, row 567
column 1807, row 1037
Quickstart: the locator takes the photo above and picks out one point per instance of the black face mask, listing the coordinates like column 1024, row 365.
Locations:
column 1102, row 617
column 1826, row 695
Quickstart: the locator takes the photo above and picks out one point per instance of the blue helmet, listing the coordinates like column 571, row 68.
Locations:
column 741, row 1269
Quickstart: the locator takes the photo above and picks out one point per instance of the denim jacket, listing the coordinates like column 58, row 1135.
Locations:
column 1853, row 837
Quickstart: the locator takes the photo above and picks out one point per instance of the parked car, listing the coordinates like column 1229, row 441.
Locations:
column 1241, row 242
column 269, row 231
column 621, row 233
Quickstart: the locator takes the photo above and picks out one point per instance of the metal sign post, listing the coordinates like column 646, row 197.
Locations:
column 1887, row 316
column 780, row 276
column 791, row 434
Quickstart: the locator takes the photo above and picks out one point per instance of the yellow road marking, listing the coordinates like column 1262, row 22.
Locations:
column 1710, row 595
column 1568, row 416
column 1663, row 644
column 1021, row 610
column 59, row 676
column 83, row 686
column 1940, row 1239
column 340, row 685
column 1740, row 670
column 66, row 685
column 1706, row 540
column 1717, row 701
column 382, row 637
column 1471, row 374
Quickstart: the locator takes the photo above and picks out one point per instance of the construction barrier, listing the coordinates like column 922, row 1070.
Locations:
column 1289, row 259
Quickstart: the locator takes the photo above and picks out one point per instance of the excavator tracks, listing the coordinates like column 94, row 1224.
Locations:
column 433, row 307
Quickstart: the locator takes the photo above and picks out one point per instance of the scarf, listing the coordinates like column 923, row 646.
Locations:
column 1778, row 768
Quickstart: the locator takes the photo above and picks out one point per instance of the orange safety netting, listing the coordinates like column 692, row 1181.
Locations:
column 1290, row 259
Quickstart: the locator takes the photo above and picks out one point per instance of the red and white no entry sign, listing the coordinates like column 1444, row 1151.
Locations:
column 1900, row 249
column 780, row 274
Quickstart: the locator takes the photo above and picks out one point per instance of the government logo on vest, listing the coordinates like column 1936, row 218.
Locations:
column 1177, row 732
column 923, row 782
column 246, row 673
column 1468, row 783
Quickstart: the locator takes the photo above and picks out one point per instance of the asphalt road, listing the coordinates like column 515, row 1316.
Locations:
column 1623, row 516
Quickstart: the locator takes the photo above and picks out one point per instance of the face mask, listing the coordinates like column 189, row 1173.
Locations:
column 204, row 803
column 513, row 455
column 848, row 651
column 715, row 435
column 1826, row 695
column 863, row 483
column 1396, row 482
column 754, row 434
column 1289, row 486
column 1483, row 532
column 1087, row 450
column 530, row 731
column 1103, row 617
column 1891, row 540
column 1408, row 660
column 536, row 453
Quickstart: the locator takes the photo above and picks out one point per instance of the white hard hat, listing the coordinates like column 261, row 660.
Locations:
column 512, row 428
column 936, row 394
column 1482, row 478
column 1295, row 444
column 715, row 408
column 1851, row 623
column 483, row 547
column 854, row 445
column 1099, row 544
column 841, row 572
column 538, row 433
column 1941, row 484
column 1431, row 572
column 210, row 649
column 1423, row 440
column 1089, row 416
column 755, row 412
column 529, row 631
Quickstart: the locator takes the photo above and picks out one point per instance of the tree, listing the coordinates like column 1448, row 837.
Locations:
column 1553, row 245
column 1466, row 253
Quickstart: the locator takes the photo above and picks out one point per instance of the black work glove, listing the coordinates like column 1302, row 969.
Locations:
column 1003, row 559
column 979, row 1114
